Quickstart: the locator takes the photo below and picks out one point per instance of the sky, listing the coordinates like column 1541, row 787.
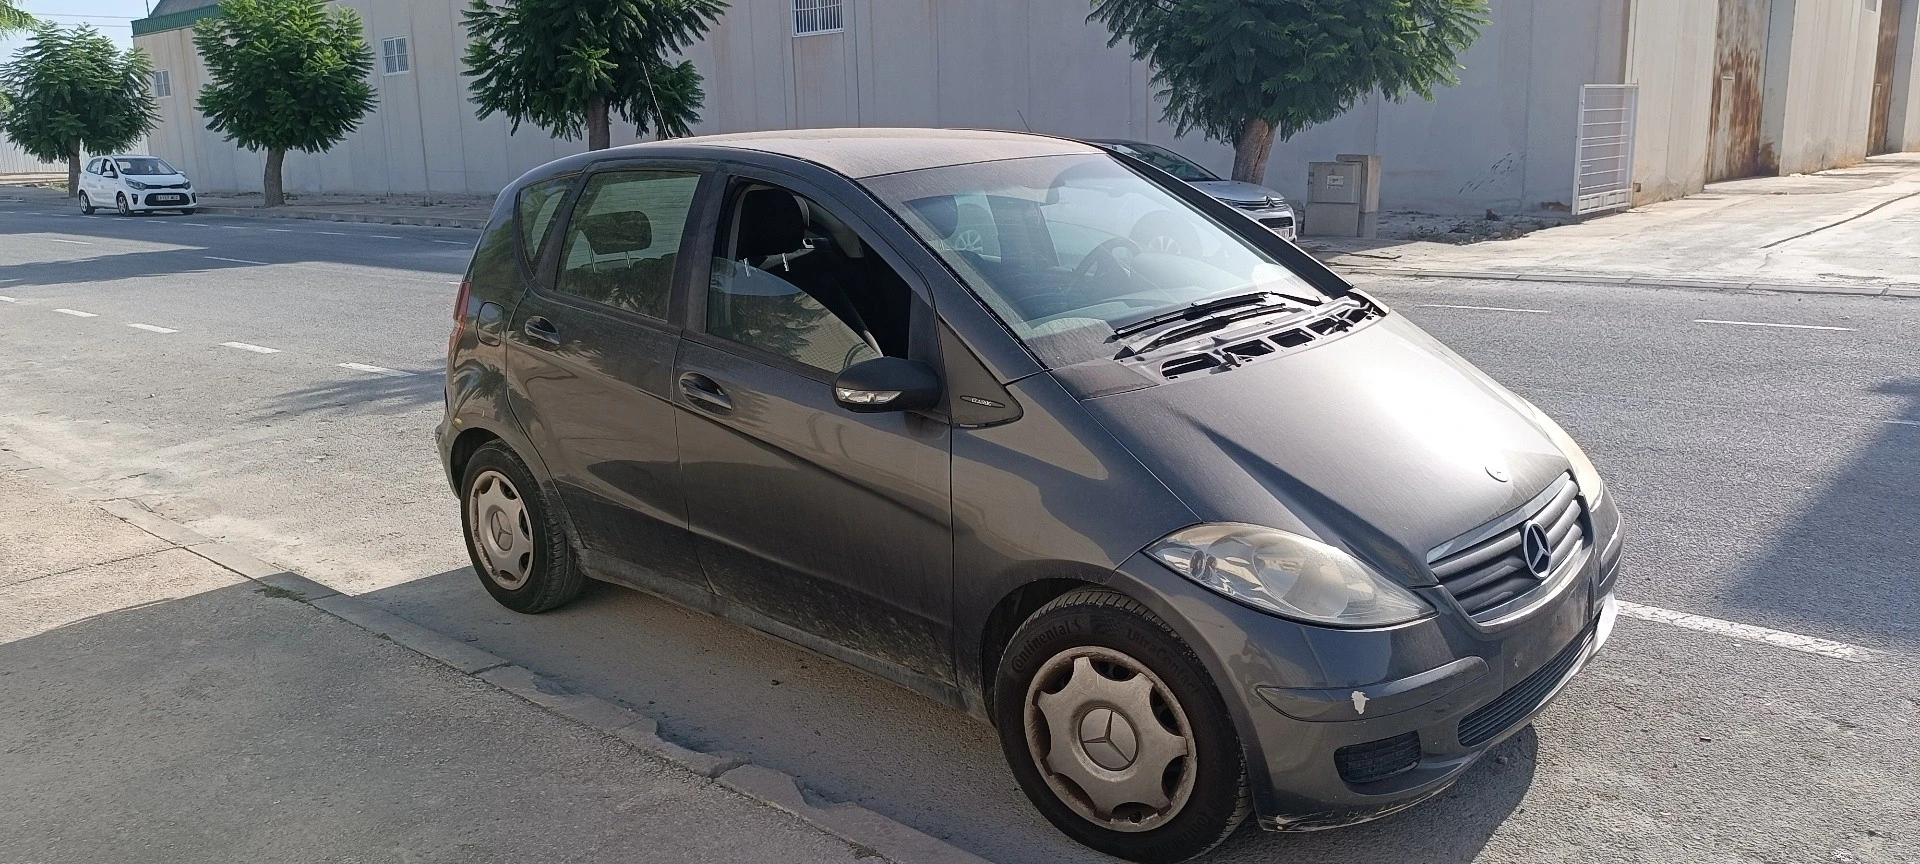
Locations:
column 113, row 18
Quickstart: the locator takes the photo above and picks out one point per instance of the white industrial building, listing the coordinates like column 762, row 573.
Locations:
column 1674, row 93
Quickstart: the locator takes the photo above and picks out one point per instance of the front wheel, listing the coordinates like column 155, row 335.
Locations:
column 186, row 211
column 86, row 204
column 120, row 205
column 518, row 544
column 1116, row 732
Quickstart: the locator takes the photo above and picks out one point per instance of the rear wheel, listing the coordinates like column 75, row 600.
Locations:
column 519, row 545
column 1116, row 732
column 86, row 204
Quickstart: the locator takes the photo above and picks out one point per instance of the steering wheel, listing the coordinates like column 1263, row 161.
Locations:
column 1092, row 265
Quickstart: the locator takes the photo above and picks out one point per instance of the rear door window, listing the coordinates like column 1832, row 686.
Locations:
column 623, row 239
column 538, row 204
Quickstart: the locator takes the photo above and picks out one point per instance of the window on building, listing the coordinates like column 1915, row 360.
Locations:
column 393, row 55
column 817, row 16
column 162, row 83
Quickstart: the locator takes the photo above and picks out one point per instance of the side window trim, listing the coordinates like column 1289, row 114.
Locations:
column 550, row 263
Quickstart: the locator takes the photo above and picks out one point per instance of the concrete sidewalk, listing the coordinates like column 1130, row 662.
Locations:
column 1849, row 230
column 156, row 706
column 435, row 210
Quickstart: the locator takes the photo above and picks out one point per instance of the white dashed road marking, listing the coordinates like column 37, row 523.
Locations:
column 1767, row 324
column 1905, row 422
column 197, row 224
column 74, row 242
column 1748, row 632
column 1484, row 308
column 332, row 233
column 377, row 370
column 281, row 230
column 454, row 242
column 76, row 313
column 232, row 260
column 152, row 329
column 5, row 299
column 385, row 237
column 257, row 349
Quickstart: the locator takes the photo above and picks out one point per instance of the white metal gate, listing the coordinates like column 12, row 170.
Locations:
column 1603, row 167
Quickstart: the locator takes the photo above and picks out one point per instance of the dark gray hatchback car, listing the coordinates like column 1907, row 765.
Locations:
column 1199, row 527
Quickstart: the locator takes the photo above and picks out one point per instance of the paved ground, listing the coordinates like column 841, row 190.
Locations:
column 1766, row 474
column 157, row 707
column 1851, row 227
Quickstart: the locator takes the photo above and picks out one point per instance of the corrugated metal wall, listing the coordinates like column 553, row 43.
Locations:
column 15, row 161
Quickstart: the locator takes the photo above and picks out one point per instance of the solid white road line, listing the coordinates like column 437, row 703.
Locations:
column 257, row 349
column 1748, row 632
column 1484, row 308
column 233, row 260
column 76, row 313
column 152, row 329
column 1767, row 324
column 74, row 242
column 377, row 370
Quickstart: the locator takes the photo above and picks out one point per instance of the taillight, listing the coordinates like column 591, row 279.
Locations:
column 460, row 313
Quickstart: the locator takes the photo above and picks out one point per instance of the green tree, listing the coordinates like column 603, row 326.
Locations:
column 284, row 75
column 71, row 91
column 566, row 65
column 1246, row 71
column 13, row 18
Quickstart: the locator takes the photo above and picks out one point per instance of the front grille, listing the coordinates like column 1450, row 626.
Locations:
column 1378, row 760
column 1483, row 569
column 1487, row 722
column 1267, row 204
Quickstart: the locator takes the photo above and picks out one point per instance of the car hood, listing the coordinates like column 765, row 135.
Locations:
column 157, row 179
column 1382, row 442
column 1236, row 192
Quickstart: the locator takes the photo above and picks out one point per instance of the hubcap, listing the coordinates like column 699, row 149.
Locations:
column 1110, row 738
column 501, row 530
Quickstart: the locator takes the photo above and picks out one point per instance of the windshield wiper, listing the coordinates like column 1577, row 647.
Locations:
column 1200, row 309
column 1207, row 324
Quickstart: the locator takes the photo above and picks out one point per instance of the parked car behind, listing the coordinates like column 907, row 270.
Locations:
column 135, row 184
column 1201, row 528
column 1264, row 205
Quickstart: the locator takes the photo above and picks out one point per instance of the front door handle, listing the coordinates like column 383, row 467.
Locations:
column 541, row 330
column 705, row 393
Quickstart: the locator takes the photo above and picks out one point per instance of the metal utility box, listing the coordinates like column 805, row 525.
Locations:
column 1343, row 197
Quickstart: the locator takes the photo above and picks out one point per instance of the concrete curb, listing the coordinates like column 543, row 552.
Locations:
column 1891, row 290
column 869, row 832
column 368, row 218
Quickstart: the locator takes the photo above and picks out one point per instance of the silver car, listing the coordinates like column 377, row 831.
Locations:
column 1266, row 206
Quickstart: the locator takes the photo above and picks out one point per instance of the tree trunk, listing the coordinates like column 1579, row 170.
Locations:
column 73, row 170
column 599, row 129
column 270, row 185
column 1250, row 151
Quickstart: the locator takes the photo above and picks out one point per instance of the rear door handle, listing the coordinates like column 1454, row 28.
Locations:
column 541, row 330
column 705, row 393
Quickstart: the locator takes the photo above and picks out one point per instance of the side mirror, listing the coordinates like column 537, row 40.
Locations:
column 887, row 384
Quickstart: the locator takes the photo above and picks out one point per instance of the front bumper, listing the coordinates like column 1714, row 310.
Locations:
column 1345, row 726
column 1279, row 220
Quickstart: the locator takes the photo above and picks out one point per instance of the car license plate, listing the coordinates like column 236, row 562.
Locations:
column 165, row 199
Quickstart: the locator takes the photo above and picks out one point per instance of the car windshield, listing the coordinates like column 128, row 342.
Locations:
column 1067, row 248
column 1165, row 160
column 144, row 165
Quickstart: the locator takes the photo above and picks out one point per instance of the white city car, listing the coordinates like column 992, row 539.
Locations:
column 132, row 184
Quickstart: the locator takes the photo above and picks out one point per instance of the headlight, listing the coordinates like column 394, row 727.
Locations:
column 135, row 184
column 1583, row 471
column 1287, row 575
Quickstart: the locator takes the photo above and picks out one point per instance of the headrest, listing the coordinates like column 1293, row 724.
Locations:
column 942, row 213
column 771, row 223
column 617, row 233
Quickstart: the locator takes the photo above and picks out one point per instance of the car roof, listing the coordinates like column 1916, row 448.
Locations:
column 863, row 153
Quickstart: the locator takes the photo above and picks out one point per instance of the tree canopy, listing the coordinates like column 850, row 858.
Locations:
column 1246, row 71
column 13, row 18
column 284, row 75
column 566, row 65
column 70, row 91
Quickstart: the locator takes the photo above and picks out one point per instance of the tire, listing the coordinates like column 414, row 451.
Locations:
column 86, row 204
column 524, row 557
column 1205, row 791
column 120, row 205
column 186, row 211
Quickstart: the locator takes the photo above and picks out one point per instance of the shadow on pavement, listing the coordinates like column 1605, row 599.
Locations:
column 717, row 687
column 1845, row 565
column 378, row 394
column 113, row 267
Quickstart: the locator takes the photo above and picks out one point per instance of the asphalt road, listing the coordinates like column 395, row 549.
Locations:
column 1768, row 476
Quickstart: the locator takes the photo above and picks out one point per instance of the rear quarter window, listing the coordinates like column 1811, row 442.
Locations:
column 538, row 205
